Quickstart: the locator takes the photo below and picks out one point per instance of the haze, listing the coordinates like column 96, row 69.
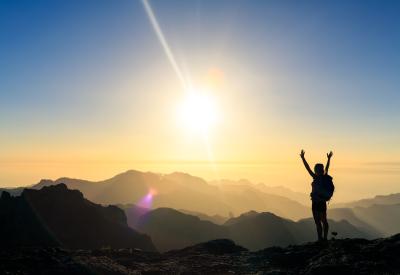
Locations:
column 89, row 89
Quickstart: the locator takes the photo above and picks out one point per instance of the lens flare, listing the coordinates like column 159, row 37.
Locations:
column 147, row 200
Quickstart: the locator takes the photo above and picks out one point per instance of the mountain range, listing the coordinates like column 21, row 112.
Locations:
column 59, row 217
column 183, row 191
column 171, row 229
column 282, row 191
column 380, row 199
column 130, row 227
column 218, row 201
column 379, row 220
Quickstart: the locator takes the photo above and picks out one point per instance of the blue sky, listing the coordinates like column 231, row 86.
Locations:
column 348, row 38
column 76, row 72
column 347, row 49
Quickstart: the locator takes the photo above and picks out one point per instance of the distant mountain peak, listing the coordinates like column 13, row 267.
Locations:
column 59, row 190
column 249, row 213
column 181, row 176
column 134, row 174
column 132, row 171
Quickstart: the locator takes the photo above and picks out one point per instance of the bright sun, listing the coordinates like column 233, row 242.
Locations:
column 199, row 111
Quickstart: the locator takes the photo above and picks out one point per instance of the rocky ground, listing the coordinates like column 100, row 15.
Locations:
column 348, row 256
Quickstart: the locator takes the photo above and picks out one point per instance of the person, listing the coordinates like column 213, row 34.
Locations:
column 319, row 175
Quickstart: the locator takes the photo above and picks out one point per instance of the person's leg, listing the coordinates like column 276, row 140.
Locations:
column 317, row 220
column 325, row 224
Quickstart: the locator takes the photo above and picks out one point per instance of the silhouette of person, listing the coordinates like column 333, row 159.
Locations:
column 319, row 205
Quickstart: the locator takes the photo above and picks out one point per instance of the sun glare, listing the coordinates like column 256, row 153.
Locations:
column 199, row 111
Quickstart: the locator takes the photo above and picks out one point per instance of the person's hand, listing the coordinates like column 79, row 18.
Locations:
column 302, row 153
column 329, row 155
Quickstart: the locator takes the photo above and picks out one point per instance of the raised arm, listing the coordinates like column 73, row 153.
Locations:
column 306, row 164
column 328, row 163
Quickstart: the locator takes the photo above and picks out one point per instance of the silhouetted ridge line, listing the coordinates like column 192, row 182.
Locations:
column 55, row 215
column 183, row 191
column 171, row 229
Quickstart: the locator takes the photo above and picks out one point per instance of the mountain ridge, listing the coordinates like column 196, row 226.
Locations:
column 172, row 229
column 182, row 191
column 61, row 217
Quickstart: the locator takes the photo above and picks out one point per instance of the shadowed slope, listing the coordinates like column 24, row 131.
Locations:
column 20, row 225
column 171, row 229
column 69, row 219
column 259, row 230
column 217, row 219
column 378, row 220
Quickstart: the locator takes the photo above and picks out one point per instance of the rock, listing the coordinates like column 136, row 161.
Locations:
column 348, row 256
column 215, row 247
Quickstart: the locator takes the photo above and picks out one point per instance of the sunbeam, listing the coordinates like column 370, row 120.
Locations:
column 164, row 44
column 200, row 113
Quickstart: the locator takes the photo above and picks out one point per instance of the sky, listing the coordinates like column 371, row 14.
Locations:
column 87, row 90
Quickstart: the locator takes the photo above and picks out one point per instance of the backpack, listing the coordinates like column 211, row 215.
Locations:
column 322, row 188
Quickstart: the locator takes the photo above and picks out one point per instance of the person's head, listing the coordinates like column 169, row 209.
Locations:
column 319, row 169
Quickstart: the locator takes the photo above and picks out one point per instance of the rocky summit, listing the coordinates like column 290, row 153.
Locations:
column 347, row 256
